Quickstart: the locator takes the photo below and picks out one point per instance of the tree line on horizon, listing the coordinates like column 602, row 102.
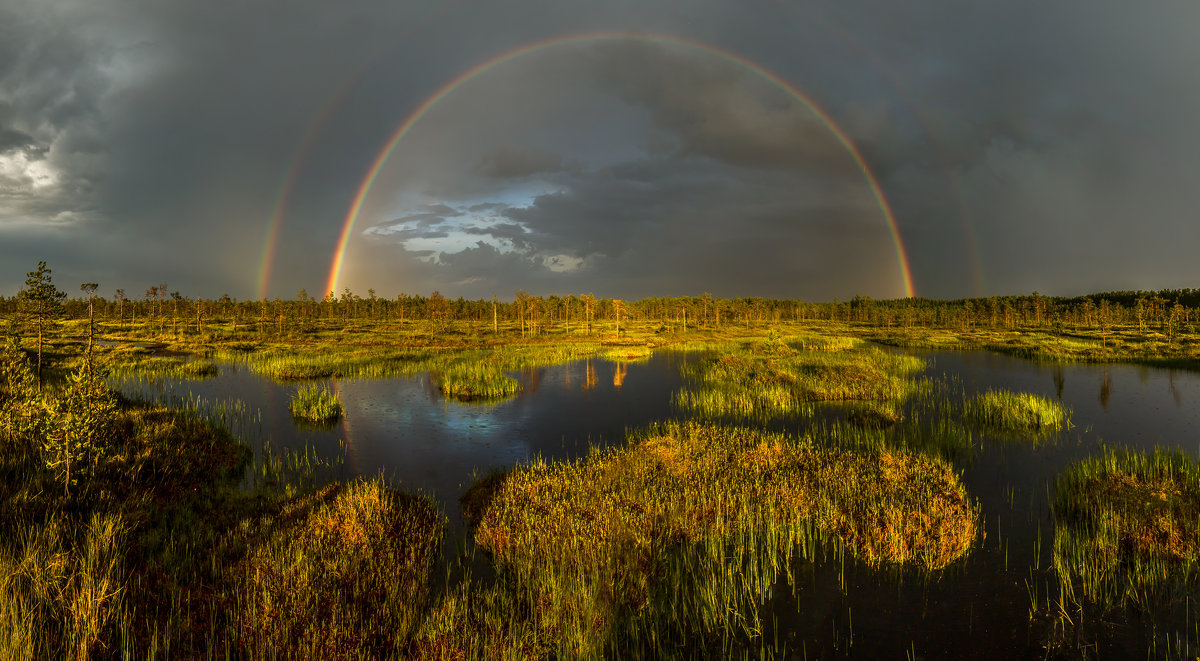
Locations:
column 1167, row 310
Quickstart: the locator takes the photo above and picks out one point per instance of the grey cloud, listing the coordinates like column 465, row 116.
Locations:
column 13, row 139
column 721, row 111
column 507, row 162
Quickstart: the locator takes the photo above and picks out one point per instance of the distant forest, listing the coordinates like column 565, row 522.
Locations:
column 1168, row 309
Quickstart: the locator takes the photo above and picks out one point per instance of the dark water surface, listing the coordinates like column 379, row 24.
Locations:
column 980, row 608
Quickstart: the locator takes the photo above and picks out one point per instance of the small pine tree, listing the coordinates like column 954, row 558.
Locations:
column 78, row 430
column 20, row 412
column 42, row 302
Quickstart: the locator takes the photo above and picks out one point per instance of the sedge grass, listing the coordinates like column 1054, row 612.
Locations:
column 471, row 381
column 315, row 404
column 344, row 574
column 1007, row 411
column 58, row 598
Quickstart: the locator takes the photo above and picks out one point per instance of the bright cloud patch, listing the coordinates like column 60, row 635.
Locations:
column 435, row 233
column 18, row 171
column 435, row 230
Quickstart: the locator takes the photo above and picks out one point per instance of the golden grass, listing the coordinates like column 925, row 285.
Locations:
column 587, row 538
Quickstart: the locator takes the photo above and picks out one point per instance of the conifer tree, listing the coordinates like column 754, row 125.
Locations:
column 42, row 302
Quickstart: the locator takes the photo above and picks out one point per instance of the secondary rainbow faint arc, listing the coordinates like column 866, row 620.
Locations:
column 267, row 260
column 365, row 187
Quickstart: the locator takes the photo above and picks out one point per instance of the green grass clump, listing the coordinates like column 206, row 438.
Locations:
column 1127, row 536
column 1015, row 412
column 589, row 540
column 472, row 380
column 315, row 404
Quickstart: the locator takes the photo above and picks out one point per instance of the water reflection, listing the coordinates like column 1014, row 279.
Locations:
column 1106, row 389
column 619, row 375
column 590, row 376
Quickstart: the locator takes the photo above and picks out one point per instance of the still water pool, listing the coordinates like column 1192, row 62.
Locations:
column 403, row 428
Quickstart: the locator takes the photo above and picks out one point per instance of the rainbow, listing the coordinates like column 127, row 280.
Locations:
column 885, row 70
column 364, row 188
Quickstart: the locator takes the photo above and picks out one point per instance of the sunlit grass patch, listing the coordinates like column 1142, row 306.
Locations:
column 315, row 404
column 1015, row 412
column 588, row 539
column 328, row 361
column 1125, row 520
column 627, row 354
column 175, row 367
column 58, row 596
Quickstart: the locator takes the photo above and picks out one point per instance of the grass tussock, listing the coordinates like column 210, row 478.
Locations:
column 471, row 381
column 1124, row 518
column 315, row 404
column 589, row 538
column 1127, row 540
column 1007, row 411
column 347, row 578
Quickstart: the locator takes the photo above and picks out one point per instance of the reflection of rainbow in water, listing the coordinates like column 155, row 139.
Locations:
column 350, row 447
column 373, row 171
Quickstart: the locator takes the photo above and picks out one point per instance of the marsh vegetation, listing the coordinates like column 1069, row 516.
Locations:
column 788, row 440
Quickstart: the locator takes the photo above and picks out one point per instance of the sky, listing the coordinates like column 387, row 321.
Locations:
column 795, row 149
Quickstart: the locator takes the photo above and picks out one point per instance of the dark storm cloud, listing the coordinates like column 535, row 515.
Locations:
column 1059, row 137
column 506, row 161
column 13, row 139
column 706, row 107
